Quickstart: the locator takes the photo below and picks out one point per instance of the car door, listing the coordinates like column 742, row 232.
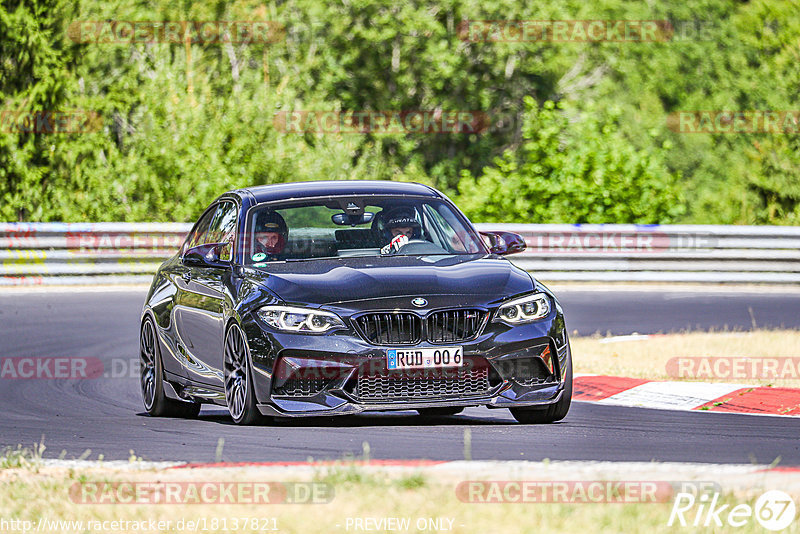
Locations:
column 203, row 314
column 176, row 358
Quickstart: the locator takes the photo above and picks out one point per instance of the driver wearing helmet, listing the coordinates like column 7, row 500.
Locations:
column 401, row 226
column 271, row 233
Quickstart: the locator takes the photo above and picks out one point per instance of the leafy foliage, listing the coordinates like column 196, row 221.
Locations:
column 581, row 171
column 579, row 131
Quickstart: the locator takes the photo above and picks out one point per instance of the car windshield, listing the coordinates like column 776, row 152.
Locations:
column 354, row 226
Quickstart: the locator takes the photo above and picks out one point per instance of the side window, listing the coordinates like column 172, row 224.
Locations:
column 434, row 230
column 446, row 223
column 223, row 229
column 463, row 240
column 447, row 237
column 196, row 236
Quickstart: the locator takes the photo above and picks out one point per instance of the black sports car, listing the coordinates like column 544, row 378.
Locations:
column 331, row 298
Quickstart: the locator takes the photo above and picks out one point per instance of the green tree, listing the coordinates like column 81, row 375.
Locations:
column 573, row 169
column 177, row 132
column 36, row 63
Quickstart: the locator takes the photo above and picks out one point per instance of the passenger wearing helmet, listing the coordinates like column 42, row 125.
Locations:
column 271, row 233
column 400, row 227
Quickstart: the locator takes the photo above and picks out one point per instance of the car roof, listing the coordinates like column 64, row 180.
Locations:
column 286, row 191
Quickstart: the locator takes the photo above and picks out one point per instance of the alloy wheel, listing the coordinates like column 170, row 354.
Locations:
column 147, row 364
column 236, row 373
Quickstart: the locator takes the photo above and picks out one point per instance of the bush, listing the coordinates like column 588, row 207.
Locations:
column 573, row 170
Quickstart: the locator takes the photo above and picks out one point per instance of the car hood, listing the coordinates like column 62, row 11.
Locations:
column 343, row 280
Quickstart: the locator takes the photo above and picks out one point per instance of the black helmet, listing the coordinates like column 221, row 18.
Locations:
column 400, row 217
column 270, row 221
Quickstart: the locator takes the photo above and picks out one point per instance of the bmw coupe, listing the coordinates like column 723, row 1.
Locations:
column 332, row 298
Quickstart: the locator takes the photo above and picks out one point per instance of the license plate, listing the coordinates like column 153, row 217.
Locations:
column 424, row 358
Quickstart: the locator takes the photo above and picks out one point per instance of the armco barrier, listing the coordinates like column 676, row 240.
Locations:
column 85, row 253
column 80, row 253
column 659, row 253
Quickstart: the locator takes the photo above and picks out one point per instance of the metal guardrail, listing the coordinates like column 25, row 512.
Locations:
column 85, row 253
column 81, row 253
column 659, row 253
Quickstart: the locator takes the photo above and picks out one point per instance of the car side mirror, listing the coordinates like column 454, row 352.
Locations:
column 204, row 256
column 504, row 243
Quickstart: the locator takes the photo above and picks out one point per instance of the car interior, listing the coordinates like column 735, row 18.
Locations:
column 314, row 233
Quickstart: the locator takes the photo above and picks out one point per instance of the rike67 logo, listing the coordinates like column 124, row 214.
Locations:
column 774, row 510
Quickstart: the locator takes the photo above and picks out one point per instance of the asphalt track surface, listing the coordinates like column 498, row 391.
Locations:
column 105, row 415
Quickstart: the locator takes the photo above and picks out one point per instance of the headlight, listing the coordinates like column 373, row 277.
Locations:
column 524, row 310
column 291, row 319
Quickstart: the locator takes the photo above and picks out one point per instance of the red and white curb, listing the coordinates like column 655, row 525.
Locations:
column 702, row 396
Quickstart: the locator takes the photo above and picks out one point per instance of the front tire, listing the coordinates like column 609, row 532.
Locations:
column 151, row 379
column 555, row 412
column 239, row 393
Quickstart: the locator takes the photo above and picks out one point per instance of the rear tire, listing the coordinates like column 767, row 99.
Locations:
column 151, row 379
column 440, row 411
column 553, row 413
column 239, row 394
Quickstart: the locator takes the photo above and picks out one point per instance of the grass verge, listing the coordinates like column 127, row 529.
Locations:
column 364, row 496
column 648, row 358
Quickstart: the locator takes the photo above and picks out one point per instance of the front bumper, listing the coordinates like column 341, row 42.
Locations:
column 299, row 375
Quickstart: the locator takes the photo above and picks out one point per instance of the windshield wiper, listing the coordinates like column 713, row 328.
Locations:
column 311, row 259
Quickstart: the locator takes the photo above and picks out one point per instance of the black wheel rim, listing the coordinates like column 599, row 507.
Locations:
column 147, row 364
column 235, row 373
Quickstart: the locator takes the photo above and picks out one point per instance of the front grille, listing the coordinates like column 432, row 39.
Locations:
column 473, row 382
column 454, row 325
column 527, row 367
column 301, row 387
column 562, row 356
column 405, row 328
column 531, row 381
column 395, row 328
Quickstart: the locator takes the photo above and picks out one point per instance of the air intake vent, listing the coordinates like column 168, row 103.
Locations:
column 406, row 388
column 395, row 328
column 302, row 387
column 454, row 325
